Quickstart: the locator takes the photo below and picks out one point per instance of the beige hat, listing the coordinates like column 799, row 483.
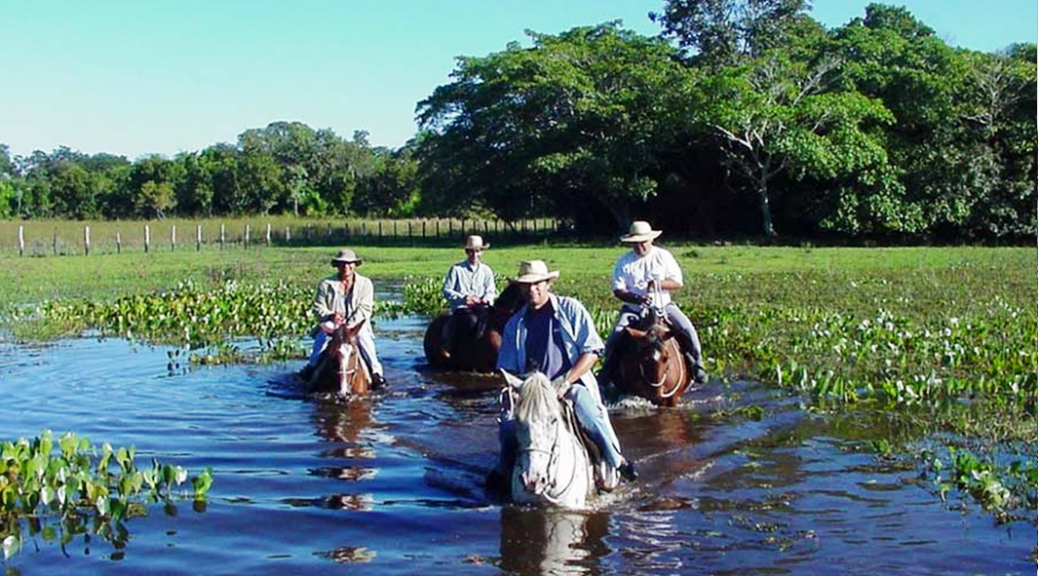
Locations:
column 641, row 231
column 475, row 243
column 534, row 271
column 346, row 255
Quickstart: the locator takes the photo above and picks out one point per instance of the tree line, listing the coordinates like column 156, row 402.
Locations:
column 742, row 118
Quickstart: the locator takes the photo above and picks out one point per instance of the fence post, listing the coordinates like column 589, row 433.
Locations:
column 248, row 229
column 54, row 241
column 223, row 235
column 450, row 228
column 21, row 240
column 380, row 231
column 486, row 228
column 198, row 238
column 437, row 227
column 288, row 234
column 173, row 238
column 147, row 238
column 309, row 230
column 423, row 229
column 118, row 243
column 86, row 240
column 267, row 240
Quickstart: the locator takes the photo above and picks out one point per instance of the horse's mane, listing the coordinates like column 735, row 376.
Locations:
column 537, row 398
column 510, row 299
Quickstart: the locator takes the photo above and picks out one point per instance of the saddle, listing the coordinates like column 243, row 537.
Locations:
column 593, row 453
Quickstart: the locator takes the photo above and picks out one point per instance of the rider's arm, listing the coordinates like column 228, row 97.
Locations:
column 584, row 363
column 450, row 292
column 631, row 297
column 323, row 300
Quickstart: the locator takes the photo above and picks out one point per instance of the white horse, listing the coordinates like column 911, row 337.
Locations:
column 552, row 467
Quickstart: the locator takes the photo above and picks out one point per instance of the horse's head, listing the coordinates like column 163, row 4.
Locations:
column 509, row 301
column 538, row 420
column 340, row 368
column 651, row 366
column 650, row 333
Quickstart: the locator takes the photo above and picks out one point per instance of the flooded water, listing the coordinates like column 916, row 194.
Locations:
column 392, row 484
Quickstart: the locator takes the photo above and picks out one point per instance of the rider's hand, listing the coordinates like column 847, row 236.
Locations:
column 339, row 319
column 472, row 300
column 561, row 386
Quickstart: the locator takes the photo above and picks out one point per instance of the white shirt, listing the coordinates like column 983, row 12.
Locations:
column 632, row 273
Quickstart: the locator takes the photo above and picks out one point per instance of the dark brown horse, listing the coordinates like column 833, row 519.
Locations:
column 475, row 351
column 651, row 364
column 340, row 368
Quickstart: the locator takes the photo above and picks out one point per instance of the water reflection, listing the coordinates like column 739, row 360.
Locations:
column 350, row 425
column 541, row 541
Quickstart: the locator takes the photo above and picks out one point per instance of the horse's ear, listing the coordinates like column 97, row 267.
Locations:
column 352, row 332
column 510, row 379
column 635, row 333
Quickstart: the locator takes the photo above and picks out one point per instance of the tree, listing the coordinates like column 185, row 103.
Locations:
column 774, row 115
column 728, row 32
column 581, row 115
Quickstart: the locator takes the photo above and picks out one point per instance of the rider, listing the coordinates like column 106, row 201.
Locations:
column 646, row 275
column 556, row 336
column 346, row 298
column 469, row 288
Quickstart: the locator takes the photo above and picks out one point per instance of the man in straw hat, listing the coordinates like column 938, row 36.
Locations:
column 469, row 288
column 347, row 298
column 555, row 335
column 647, row 275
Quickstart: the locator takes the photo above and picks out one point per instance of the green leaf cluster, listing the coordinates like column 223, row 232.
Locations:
column 72, row 487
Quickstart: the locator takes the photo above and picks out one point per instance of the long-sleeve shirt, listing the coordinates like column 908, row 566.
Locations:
column 578, row 333
column 464, row 279
column 331, row 298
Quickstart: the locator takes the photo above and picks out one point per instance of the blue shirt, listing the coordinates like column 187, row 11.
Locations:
column 464, row 279
column 545, row 348
column 576, row 328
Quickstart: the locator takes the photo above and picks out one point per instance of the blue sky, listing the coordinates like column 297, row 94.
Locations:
column 136, row 77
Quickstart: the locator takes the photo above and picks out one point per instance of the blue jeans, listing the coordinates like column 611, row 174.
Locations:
column 592, row 417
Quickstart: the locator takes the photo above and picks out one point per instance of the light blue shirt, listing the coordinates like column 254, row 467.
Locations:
column 578, row 336
column 464, row 279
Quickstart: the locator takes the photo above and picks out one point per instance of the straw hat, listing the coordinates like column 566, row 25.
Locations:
column 475, row 242
column 641, row 231
column 348, row 256
column 534, row 271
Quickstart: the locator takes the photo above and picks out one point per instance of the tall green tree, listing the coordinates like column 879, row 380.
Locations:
column 722, row 33
column 577, row 118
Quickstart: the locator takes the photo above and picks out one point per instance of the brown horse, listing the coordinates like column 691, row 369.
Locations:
column 476, row 351
column 340, row 368
column 651, row 364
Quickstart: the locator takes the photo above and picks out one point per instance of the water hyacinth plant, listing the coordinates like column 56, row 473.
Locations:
column 81, row 489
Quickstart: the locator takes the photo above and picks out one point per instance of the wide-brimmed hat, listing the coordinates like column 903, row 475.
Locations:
column 534, row 271
column 475, row 242
column 640, row 231
column 348, row 256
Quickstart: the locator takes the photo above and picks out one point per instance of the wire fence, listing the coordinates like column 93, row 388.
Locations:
column 70, row 238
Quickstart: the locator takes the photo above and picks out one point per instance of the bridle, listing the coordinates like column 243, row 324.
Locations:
column 553, row 494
